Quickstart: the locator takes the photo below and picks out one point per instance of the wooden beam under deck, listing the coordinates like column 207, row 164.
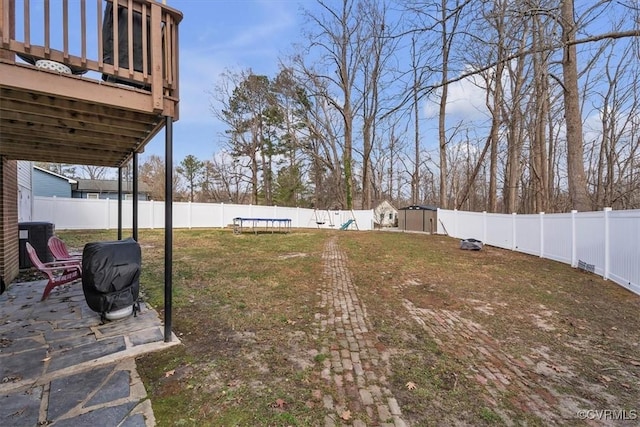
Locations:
column 60, row 118
column 29, row 78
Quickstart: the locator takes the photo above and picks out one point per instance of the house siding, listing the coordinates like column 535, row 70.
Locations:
column 25, row 192
column 383, row 212
column 24, row 173
column 47, row 185
column 107, row 195
column 9, row 266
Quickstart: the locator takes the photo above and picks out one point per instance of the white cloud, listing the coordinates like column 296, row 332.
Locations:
column 465, row 100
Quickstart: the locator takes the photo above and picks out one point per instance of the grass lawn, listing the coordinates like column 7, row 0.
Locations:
column 469, row 338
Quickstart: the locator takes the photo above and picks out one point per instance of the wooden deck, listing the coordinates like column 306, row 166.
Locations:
column 80, row 118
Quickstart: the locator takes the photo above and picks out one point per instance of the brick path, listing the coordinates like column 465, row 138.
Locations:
column 521, row 380
column 356, row 369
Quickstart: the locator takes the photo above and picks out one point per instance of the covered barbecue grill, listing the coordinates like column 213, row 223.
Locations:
column 111, row 276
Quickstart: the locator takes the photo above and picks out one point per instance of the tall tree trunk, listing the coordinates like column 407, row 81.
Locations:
column 573, row 116
column 538, row 163
column 494, row 134
column 415, row 176
column 442, row 137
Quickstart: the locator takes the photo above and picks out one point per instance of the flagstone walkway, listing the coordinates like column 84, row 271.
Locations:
column 60, row 366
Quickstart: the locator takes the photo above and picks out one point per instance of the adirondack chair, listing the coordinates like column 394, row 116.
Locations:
column 58, row 272
column 60, row 252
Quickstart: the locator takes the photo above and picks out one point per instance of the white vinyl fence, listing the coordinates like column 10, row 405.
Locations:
column 88, row 214
column 606, row 242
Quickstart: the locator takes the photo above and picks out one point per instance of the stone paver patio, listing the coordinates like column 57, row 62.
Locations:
column 60, row 366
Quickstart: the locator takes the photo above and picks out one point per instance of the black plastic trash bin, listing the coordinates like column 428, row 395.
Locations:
column 108, row 52
column 38, row 234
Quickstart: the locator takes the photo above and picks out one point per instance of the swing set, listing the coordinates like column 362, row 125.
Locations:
column 322, row 218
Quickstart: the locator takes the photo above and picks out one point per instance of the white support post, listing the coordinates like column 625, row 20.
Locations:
column 607, row 244
column 189, row 214
column 455, row 223
column 514, row 244
column 541, row 234
column 221, row 215
column 151, row 218
column 108, row 218
column 574, row 248
column 484, row 227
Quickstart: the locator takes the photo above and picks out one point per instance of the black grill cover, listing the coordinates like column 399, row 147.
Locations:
column 111, row 274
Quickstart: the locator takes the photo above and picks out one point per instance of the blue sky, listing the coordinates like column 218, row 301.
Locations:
column 216, row 35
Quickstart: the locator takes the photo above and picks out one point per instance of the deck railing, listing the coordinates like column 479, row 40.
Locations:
column 94, row 36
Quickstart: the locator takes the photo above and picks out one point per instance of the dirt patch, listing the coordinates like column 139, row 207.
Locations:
column 294, row 255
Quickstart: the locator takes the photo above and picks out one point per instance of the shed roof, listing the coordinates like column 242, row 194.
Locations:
column 420, row 207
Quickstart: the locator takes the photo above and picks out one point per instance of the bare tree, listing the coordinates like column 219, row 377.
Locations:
column 377, row 50
column 94, row 172
column 152, row 174
column 573, row 114
column 323, row 126
column 336, row 37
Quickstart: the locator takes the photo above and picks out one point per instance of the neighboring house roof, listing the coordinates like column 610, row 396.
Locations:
column 69, row 180
column 108, row 186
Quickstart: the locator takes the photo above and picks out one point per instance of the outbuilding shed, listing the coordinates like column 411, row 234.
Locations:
column 418, row 218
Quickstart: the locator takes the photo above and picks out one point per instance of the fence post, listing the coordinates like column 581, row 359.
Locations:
column 455, row 223
column 514, row 244
column 484, row 227
column 297, row 216
column 607, row 244
column 108, row 214
column 189, row 214
column 151, row 209
column 541, row 234
column 574, row 248
column 221, row 215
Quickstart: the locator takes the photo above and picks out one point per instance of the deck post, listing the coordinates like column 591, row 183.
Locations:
column 119, row 203
column 7, row 10
column 134, row 224
column 168, row 226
